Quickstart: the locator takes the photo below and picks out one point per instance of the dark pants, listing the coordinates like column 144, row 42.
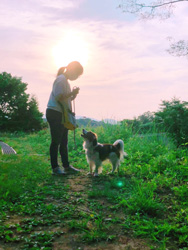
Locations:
column 59, row 138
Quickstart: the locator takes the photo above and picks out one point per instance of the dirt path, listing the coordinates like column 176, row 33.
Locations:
column 82, row 183
column 70, row 238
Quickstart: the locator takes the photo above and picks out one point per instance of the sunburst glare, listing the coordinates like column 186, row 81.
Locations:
column 72, row 47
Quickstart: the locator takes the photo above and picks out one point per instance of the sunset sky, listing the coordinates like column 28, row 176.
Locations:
column 127, row 69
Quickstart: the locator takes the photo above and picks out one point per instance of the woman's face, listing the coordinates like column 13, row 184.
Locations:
column 71, row 75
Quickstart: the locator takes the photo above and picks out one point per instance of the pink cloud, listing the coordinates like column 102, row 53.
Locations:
column 128, row 73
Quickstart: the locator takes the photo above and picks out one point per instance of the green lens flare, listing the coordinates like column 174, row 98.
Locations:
column 120, row 184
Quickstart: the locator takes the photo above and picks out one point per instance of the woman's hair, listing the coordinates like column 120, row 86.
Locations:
column 61, row 71
column 73, row 66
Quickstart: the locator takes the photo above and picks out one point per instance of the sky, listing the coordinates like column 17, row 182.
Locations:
column 127, row 69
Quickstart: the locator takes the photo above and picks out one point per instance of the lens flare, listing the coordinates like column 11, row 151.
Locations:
column 120, row 184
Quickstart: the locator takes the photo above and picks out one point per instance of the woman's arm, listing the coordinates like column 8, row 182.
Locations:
column 63, row 97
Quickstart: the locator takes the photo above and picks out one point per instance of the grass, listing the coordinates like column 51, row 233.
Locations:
column 145, row 206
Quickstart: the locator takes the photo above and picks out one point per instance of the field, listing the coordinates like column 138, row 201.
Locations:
column 143, row 207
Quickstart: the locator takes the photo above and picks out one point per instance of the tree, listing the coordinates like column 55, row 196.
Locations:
column 18, row 112
column 145, row 118
column 162, row 9
column 179, row 48
column 173, row 118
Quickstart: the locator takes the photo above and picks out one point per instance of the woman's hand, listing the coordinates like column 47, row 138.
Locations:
column 63, row 97
column 75, row 92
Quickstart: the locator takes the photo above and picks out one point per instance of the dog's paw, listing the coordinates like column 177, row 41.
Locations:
column 125, row 155
column 89, row 174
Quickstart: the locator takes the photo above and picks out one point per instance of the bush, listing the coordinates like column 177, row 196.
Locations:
column 173, row 119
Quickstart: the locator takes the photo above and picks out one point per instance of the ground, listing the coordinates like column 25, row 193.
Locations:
column 86, row 216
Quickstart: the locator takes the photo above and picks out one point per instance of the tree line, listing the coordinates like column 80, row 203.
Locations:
column 172, row 119
column 19, row 112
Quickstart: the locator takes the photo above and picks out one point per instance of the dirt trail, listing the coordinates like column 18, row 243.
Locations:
column 82, row 183
column 70, row 240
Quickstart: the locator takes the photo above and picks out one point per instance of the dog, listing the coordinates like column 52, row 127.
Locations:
column 96, row 152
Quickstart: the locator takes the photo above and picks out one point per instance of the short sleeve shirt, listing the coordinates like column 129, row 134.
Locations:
column 60, row 86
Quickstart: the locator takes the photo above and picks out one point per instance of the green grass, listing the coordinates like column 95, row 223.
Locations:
column 146, row 203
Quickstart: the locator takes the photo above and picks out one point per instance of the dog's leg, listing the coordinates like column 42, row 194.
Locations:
column 114, row 164
column 118, row 165
column 96, row 169
column 114, row 161
column 90, row 168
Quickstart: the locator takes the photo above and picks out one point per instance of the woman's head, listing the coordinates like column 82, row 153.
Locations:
column 72, row 71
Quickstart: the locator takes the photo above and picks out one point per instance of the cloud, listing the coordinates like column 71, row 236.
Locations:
column 21, row 13
column 129, row 71
column 59, row 4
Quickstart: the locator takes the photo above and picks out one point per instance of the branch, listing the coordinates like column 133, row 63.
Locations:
column 160, row 5
column 148, row 11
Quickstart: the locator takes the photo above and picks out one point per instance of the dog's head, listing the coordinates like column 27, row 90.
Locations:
column 89, row 137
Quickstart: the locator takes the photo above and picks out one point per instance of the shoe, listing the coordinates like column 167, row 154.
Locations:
column 58, row 171
column 71, row 169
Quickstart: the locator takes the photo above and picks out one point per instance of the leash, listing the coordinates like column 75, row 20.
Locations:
column 75, row 129
column 74, row 110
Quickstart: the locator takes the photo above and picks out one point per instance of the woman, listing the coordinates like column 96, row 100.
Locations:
column 61, row 92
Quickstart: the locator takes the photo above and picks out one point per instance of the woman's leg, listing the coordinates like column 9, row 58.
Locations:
column 54, row 120
column 64, row 152
column 64, row 147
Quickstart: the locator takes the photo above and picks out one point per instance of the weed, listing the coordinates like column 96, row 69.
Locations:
column 147, row 199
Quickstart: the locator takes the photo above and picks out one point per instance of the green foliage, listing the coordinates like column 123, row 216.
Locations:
column 173, row 118
column 143, row 200
column 84, row 122
column 23, row 176
column 148, row 199
column 143, row 123
column 18, row 112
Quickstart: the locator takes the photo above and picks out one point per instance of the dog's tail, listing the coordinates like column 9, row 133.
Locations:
column 120, row 145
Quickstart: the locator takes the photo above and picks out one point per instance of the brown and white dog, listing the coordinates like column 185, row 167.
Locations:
column 96, row 153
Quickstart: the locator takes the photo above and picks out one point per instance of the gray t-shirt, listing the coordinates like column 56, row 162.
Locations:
column 60, row 86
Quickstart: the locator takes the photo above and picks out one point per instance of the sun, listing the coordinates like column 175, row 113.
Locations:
column 72, row 47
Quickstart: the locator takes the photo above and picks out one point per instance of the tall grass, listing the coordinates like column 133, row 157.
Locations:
column 150, row 191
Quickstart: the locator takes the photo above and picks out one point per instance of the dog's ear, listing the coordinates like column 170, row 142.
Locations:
column 94, row 142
